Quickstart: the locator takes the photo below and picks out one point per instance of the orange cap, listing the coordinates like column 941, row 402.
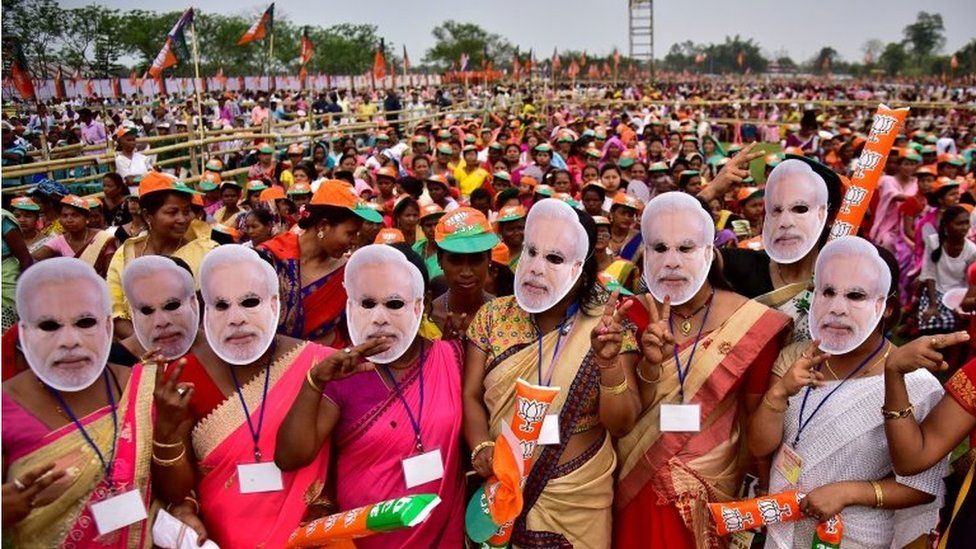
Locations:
column 794, row 150
column 300, row 188
column 154, row 182
column 500, row 254
column 927, row 169
column 745, row 193
column 386, row 171
column 627, row 201
column 272, row 193
column 389, row 236
column 439, row 178
column 464, row 230
column 941, row 183
column 428, row 210
column 75, row 201
column 340, row 194
column 529, row 180
column 197, row 200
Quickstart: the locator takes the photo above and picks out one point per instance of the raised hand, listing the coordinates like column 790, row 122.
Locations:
column 803, row 372
column 346, row 362
column 735, row 170
column 19, row 494
column 607, row 335
column 923, row 353
column 657, row 343
column 456, row 325
column 172, row 400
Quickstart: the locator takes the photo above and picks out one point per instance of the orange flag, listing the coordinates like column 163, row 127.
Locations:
column 21, row 77
column 260, row 27
column 379, row 62
column 307, row 49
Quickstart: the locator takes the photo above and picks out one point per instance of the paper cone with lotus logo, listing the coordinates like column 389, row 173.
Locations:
column 495, row 505
column 736, row 516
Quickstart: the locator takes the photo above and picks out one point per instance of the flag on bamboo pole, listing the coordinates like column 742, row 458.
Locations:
column 18, row 70
column 76, row 77
column 516, row 65
column 616, row 59
column 302, row 75
column 573, row 69
column 132, row 78
column 59, row 91
column 260, row 28
column 116, row 87
column 606, row 69
column 556, row 62
column 174, row 49
column 307, row 49
column 220, row 78
column 594, row 72
column 528, row 63
column 406, row 60
column 379, row 62
column 583, row 59
column 954, row 62
column 89, row 88
column 740, row 59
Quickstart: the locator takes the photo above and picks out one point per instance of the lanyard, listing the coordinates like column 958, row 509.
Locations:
column 803, row 424
column 255, row 433
column 414, row 421
column 563, row 330
column 683, row 372
column 107, row 465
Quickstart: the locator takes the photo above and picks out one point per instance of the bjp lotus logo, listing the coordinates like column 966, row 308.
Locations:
column 531, row 412
column 882, row 125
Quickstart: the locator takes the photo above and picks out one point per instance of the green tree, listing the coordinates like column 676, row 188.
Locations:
column 926, row 34
column 894, row 58
column 825, row 60
column 454, row 38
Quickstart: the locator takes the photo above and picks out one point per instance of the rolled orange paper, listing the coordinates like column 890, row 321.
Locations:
column 736, row 516
column 870, row 166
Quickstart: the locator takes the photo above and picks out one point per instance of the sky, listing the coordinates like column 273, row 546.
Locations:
column 799, row 29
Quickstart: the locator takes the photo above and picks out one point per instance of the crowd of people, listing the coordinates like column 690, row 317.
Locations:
column 347, row 322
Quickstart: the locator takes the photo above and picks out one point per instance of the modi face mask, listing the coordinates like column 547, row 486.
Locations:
column 678, row 246
column 241, row 313
column 851, row 288
column 553, row 253
column 65, row 328
column 385, row 300
column 796, row 211
column 162, row 304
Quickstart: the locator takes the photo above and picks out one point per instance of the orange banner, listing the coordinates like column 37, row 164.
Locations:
column 870, row 166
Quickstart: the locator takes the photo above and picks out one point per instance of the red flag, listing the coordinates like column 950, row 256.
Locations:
column 406, row 60
column 302, row 75
column 21, row 76
column 164, row 59
column 583, row 58
column 954, row 62
column 76, row 77
column 379, row 63
column 260, row 27
column 59, row 91
column 132, row 78
column 594, row 72
column 516, row 65
column 528, row 64
column 556, row 62
column 616, row 58
column 116, row 87
column 89, row 88
column 573, row 69
column 307, row 49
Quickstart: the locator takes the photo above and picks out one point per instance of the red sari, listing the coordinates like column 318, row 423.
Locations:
column 665, row 479
column 311, row 312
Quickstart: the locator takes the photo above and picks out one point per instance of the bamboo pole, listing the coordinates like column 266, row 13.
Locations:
column 197, row 168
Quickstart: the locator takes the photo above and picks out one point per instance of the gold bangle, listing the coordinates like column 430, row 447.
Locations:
column 169, row 462
column 660, row 370
column 769, row 405
column 311, row 382
column 878, row 494
column 897, row 414
column 480, row 447
column 196, row 504
column 158, row 444
column 617, row 389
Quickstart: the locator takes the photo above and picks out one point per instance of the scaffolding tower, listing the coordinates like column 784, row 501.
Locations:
column 641, row 23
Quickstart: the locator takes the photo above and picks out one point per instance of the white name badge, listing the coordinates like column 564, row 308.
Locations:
column 550, row 430
column 259, row 477
column 680, row 418
column 423, row 468
column 118, row 512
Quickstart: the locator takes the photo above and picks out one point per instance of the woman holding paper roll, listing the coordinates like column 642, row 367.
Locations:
column 558, row 331
column 391, row 424
column 707, row 354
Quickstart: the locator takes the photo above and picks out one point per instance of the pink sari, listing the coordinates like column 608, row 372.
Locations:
column 371, row 445
column 67, row 521
column 222, row 441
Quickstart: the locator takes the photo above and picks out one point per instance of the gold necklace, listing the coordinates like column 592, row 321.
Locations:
column 867, row 370
column 685, row 325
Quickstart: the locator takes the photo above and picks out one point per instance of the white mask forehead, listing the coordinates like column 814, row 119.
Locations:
column 571, row 231
column 409, row 287
column 701, row 226
column 793, row 183
column 854, row 247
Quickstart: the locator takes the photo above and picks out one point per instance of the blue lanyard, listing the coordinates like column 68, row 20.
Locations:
column 107, row 465
column 803, row 424
column 683, row 372
column 570, row 313
column 414, row 421
column 255, row 433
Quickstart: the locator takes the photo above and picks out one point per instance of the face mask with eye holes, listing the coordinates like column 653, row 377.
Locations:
column 239, row 333
column 395, row 318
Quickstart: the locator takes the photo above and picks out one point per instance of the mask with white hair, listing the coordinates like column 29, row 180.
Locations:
column 386, row 299
column 679, row 238
column 552, row 256
column 796, row 211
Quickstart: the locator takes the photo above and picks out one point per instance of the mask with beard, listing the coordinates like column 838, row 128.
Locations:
column 554, row 250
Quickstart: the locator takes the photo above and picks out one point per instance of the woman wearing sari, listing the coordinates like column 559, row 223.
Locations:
column 917, row 445
column 819, row 418
column 93, row 246
column 552, row 332
column 172, row 231
column 216, row 425
column 76, row 431
column 377, row 417
column 625, row 236
column 310, row 265
column 801, row 199
column 703, row 346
